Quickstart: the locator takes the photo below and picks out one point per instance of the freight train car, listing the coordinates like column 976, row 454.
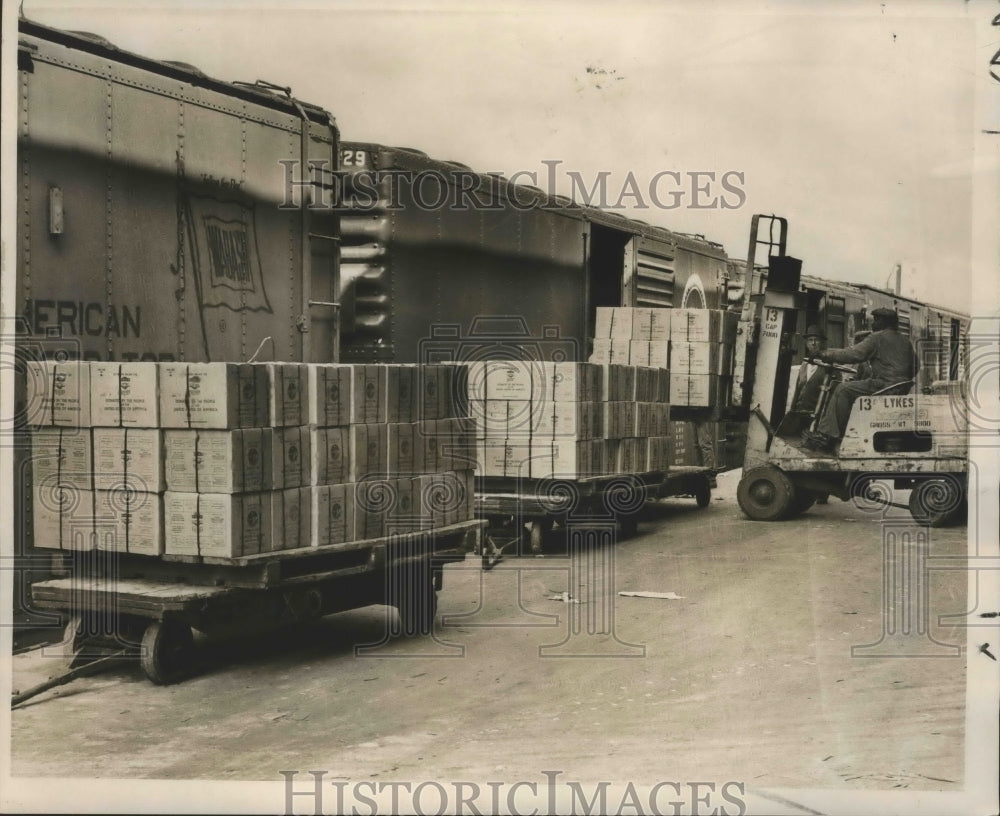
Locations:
column 157, row 221
column 159, row 214
column 432, row 248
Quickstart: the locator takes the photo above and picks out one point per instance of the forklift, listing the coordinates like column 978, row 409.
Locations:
column 915, row 440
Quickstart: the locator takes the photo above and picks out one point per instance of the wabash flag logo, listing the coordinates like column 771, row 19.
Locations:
column 226, row 261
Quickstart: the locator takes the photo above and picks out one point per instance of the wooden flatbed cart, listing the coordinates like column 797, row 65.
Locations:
column 520, row 512
column 149, row 606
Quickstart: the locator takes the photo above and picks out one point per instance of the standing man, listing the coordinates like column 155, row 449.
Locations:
column 892, row 361
column 810, row 377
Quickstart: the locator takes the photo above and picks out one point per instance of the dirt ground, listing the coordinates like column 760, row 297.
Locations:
column 749, row 675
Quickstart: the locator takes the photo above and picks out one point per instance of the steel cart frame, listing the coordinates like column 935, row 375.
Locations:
column 150, row 606
column 519, row 511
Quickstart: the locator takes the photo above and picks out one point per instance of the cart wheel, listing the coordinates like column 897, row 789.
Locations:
column 703, row 493
column 167, row 649
column 628, row 524
column 73, row 640
column 537, row 530
column 765, row 493
column 937, row 502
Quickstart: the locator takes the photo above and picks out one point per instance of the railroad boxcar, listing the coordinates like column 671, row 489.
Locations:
column 431, row 245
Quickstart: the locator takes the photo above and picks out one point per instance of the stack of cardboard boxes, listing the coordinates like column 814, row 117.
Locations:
column 392, row 450
column 226, row 460
column 541, row 419
column 695, row 345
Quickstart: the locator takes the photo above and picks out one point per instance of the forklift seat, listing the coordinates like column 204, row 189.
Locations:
column 899, row 389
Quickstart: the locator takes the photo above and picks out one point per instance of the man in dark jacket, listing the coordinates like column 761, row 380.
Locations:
column 891, row 361
column 810, row 378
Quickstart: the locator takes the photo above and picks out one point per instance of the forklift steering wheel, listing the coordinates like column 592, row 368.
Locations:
column 832, row 366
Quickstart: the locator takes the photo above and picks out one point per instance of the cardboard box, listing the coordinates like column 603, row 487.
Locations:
column 402, row 393
column 683, row 448
column 513, row 379
column 659, row 325
column 503, row 419
column 402, row 516
column 374, row 500
column 405, row 448
column 330, row 394
column 443, row 431
column 474, row 379
column 642, row 323
column 503, row 458
column 132, row 457
column 216, row 461
column 287, row 393
column 460, row 447
column 124, row 395
column 694, row 390
column 659, row 354
column 425, row 441
column 658, row 453
column 638, row 353
column 290, row 518
column 615, row 322
column 441, row 497
column 216, row 524
column 329, row 456
column 57, row 394
column 369, row 394
column 577, row 420
column 621, row 351
column 433, row 399
column 290, row 460
column 570, row 381
column 332, row 515
column 696, row 325
column 62, row 517
column 129, row 521
column 563, row 458
column 601, row 353
column 695, row 358
column 632, row 456
column 62, row 455
column 213, row 395
column 368, row 452
column 618, row 419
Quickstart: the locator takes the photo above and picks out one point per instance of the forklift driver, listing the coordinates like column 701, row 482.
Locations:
column 892, row 362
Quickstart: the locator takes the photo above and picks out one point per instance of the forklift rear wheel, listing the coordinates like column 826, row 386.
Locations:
column 167, row 648
column 803, row 500
column 937, row 502
column 765, row 494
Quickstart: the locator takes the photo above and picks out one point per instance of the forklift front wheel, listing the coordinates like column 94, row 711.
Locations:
column 765, row 493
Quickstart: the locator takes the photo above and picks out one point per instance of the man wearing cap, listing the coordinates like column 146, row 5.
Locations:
column 891, row 360
column 810, row 377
